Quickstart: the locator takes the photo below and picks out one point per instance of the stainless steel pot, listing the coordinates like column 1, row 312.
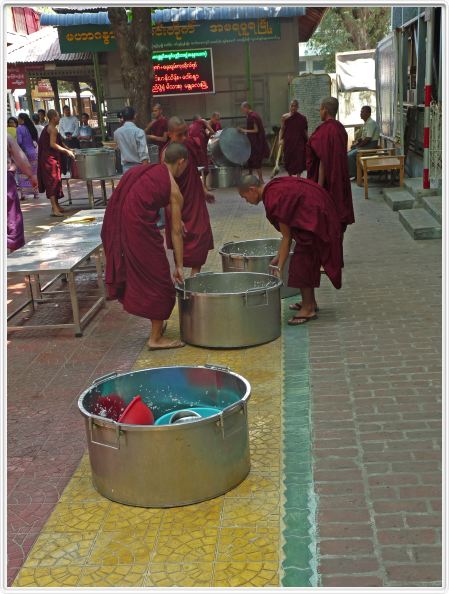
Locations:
column 229, row 309
column 169, row 465
column 94, row 163
column 229, row 147
column 255, row 255
column 224, row 177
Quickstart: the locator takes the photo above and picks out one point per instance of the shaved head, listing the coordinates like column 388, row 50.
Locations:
column 175, row 122
column 51, row 113
column 248, row 181
column 174, row 152
column 330, row 104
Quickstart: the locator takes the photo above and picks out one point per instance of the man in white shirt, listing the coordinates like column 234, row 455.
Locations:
column 69, row 128
column 369, row 138
column 131, row 141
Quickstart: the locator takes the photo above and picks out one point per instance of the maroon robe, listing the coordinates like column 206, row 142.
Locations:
column 310, row 212
column 197, row 237
column 137, row 270
column 295, row 139
column 158, row 127
column 197, row 131
column 49, row 166
column 216, row 126
column 328, row 143
column 259, row 145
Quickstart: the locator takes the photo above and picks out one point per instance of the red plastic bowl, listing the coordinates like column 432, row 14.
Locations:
column 137, row 413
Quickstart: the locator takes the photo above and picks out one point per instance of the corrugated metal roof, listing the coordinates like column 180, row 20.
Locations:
column 168, row 15
column 42, row 46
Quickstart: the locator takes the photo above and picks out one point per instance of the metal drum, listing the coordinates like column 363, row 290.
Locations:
column 224, row 177
column 174, row 464
column 255, row 256
column 229, row 147
column 229, row 309
column 94, row 163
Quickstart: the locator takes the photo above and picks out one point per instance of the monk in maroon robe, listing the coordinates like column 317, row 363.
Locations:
column 51, row 149
column 256, row 135
column 137, row 268
column 197, row 231
column 214, row 122
column 327, row 160
column 156, row 130
column 293, row 137
column 304, row 211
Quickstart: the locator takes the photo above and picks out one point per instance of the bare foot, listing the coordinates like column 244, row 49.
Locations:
column 164, row 344
column 57, row 214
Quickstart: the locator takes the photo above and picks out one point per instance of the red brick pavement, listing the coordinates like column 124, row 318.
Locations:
column 376, row 392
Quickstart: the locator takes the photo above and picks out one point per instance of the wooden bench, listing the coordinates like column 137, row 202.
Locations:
column 382, row 163
column 369, row 153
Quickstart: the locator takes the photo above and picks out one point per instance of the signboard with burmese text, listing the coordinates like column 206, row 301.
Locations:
column 183, row 72
column 86, row 38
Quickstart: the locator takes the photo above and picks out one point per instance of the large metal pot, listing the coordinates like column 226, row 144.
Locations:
column 229, row 147
column 229, row 309
column 169, row 465
column 94, row 163
column 255, row 255
column 224, row 177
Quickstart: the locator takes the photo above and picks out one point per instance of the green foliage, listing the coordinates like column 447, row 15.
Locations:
column 347, row 29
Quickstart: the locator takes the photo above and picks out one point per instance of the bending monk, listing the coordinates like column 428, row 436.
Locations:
column 256, row 136
column 293, row 137
column 197, row 232
column 137, row 268
column 327, row 160
column 301, row 210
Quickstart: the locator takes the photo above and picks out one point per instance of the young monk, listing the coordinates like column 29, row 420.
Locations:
column 197, row 232
column 256, row 136
column 293, row 137
column 327, row 160
column 301, row 210
column 137, row 268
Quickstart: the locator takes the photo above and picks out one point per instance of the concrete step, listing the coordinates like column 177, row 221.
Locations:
column 414, row 186
column 420, row 224
column 398, row 199
column 434, row 206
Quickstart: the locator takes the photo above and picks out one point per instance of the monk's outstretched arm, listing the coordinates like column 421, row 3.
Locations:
column 176, row 202
column 58, row 147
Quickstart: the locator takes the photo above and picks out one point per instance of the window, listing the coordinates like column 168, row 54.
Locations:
column 302, row 66
column 318, row 65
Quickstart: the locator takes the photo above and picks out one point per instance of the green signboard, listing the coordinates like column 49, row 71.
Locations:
column 86, row 38
column 100, row 38
column 194, row 34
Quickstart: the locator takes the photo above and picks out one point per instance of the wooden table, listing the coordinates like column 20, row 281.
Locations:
column 380, row 163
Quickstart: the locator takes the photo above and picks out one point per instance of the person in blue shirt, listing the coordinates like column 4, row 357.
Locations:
column 85, row 134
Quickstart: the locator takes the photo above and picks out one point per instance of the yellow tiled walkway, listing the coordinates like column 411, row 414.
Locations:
column 233, row 540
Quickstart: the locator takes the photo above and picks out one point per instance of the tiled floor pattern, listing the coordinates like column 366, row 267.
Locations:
column 233, row 540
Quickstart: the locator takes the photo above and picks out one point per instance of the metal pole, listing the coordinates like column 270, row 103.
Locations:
column 399, row 39
column 29, row 95
column 428, row 95
column 99, row 94
column 249, row 81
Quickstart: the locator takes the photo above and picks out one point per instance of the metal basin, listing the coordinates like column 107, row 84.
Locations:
column 224, row 177
column 170, row 465
column 255, row 256
column 229, row 147
column 94, row 163
column 229, row 309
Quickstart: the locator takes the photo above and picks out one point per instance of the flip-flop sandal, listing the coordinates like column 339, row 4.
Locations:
column 175, row 344
column 297, row 307
column 300, row 320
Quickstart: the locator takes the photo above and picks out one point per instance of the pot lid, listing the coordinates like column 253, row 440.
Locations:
column 235, row 146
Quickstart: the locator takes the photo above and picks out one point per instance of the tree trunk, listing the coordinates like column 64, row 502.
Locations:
column 134, row 43
column 79, row 105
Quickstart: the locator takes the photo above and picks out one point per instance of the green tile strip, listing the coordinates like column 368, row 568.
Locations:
column 299, row 563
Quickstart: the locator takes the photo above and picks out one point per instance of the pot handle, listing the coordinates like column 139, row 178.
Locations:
column 100, row 443
column 256, row 291
column 218, row 367
column 238, row 407
column 102, row 378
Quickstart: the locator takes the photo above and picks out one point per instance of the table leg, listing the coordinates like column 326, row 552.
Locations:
column 68, row 190
column 75, row 304
column 99, row 267
column 401, row 175
column 37, row 284
column 365, row 179
column 30, row 290
column 90, row 192
column 103, row 191
column 358, row 177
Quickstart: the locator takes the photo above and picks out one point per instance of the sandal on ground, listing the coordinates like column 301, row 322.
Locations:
column 174, row 344
column 300, row 320
column 297, row 307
